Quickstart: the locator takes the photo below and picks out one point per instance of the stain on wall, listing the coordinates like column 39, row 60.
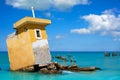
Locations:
column 41, row 51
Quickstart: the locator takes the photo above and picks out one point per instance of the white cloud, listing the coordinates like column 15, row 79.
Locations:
column 115, row 33
column 59, row 37
column 116, row 39
column 45, row 4
column 47, row 14
column 50, row 15
column 66, row 4
column 111, row 11
column 26, row 4
column 81, row 31
column 102, row 24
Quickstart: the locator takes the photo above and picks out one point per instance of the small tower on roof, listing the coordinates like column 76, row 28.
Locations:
column 28, row 45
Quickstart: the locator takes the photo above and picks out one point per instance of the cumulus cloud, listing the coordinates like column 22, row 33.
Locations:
column 26, row 4
column 103, row 24
column 111, row 11
column 45, row 4
column 66, row 4
column 81, row 31
column 59, row 36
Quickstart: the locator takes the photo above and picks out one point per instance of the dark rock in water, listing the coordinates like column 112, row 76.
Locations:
column 43, row 70
column 0, row 68
column 53, row 57
column 36, row 68
column 27, row 69
column 51, row 68
column 114, row 54
column 88, row 69
column 55, row 68
column 52, row 71
column 107, row 54
column 77, row 69
column 61, row 58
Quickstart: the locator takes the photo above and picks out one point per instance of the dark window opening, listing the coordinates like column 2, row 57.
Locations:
column 16, row 33
column 38, row 33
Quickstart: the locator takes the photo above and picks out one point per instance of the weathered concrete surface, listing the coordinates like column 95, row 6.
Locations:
column 41, row 52
column 20, row 51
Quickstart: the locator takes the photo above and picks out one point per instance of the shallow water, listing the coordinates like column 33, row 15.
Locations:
column 110, row 68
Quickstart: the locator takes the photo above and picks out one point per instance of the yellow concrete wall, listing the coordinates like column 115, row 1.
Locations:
column 31, row 29
column 32, row 33
column 20, row 51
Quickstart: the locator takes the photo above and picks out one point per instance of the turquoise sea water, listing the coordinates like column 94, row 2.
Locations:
column 110, row 68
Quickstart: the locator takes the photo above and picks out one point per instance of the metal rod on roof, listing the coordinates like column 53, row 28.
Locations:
column 33, row 13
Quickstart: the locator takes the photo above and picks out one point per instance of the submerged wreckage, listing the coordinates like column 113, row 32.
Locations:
column 28, row 48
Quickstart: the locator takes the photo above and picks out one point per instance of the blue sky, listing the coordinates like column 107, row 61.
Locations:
column 77, row 25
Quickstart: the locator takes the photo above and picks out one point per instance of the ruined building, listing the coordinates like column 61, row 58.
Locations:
column 28, row 45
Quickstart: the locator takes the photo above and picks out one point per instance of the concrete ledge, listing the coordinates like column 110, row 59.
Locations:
column 31, row 20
